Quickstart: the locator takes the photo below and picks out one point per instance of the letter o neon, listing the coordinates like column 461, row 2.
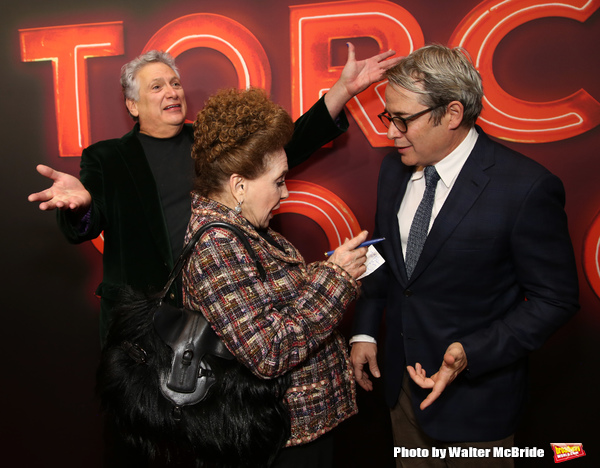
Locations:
column 322, row 206
column 220, row 33
column 591, row 255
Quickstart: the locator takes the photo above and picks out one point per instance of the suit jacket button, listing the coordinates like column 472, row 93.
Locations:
column 172, row 296
column 407, row 292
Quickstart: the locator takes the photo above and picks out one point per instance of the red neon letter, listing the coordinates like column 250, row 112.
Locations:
column 68, row 47
column 222, row 34
column 505, row 116
column 591, row 255
column 312, row 27
column 323, row 207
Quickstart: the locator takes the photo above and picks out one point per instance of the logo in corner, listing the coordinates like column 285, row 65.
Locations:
column 564, row 452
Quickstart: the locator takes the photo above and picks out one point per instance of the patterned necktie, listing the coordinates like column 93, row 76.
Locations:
column 420, row 225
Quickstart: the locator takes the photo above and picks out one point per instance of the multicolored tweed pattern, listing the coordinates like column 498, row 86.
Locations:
column 284, row 323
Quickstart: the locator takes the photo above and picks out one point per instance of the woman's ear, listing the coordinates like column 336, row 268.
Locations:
column 236, row 185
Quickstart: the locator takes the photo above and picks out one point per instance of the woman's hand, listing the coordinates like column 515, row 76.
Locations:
column 351, row 258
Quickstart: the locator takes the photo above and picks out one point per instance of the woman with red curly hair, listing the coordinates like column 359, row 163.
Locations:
column 282, row 324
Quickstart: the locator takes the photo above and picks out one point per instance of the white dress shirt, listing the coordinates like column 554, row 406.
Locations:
column 448, row 169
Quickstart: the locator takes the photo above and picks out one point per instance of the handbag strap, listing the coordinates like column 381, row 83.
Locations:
column 187, row 249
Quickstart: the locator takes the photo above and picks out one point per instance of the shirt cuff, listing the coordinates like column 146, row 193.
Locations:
column 362, row 338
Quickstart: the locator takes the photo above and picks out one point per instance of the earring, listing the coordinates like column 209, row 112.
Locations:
column 238, row 207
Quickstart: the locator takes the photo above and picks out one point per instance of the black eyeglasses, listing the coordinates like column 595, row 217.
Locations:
column 401, row 123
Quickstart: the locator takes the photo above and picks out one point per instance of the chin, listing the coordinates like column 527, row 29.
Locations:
column 408, row 161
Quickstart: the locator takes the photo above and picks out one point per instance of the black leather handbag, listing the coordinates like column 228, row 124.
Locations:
column 175, row 391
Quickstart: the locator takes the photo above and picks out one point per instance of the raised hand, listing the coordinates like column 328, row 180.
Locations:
column 356, row 77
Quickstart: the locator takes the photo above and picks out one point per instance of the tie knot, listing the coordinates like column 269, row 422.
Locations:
column 431, row 175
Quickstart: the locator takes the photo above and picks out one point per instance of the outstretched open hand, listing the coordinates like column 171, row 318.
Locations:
column 66, row 192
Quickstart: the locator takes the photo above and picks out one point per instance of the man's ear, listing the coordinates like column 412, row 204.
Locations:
column 132, row 107
column 455, row 112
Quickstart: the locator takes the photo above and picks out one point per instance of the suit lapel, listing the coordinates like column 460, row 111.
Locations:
column 469, row 185
column 397, row 176
column 149, row 199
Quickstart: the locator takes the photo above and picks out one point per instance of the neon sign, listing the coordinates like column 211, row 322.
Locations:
column 506, row 116
column 312, row 29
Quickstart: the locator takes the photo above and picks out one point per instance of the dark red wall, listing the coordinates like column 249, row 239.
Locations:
column 50, row 338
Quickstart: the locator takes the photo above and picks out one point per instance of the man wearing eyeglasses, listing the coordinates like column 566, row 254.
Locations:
column 479, row 267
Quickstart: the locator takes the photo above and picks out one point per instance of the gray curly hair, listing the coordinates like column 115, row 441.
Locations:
column 129, row 82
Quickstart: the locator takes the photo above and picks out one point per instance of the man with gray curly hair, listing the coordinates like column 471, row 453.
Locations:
column 479, row 269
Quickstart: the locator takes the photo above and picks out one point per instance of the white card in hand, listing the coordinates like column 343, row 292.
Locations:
column 374, row 261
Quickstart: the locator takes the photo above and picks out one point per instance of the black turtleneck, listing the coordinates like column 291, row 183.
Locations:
column 173, row 169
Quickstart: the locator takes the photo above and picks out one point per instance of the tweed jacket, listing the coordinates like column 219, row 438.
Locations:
column 285, row 323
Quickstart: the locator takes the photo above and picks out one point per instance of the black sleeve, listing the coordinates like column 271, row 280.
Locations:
column 312, row 130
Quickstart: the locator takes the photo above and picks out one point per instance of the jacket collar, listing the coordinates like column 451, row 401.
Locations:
column 131, row 151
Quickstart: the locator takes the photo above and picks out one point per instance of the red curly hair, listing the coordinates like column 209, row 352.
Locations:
column 233, row 134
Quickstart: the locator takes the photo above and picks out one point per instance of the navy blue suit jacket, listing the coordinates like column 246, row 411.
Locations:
column 497, row 274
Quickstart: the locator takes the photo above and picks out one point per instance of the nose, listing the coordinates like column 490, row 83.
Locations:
column 284, row 193
column 393, row 132
column 171, row 92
